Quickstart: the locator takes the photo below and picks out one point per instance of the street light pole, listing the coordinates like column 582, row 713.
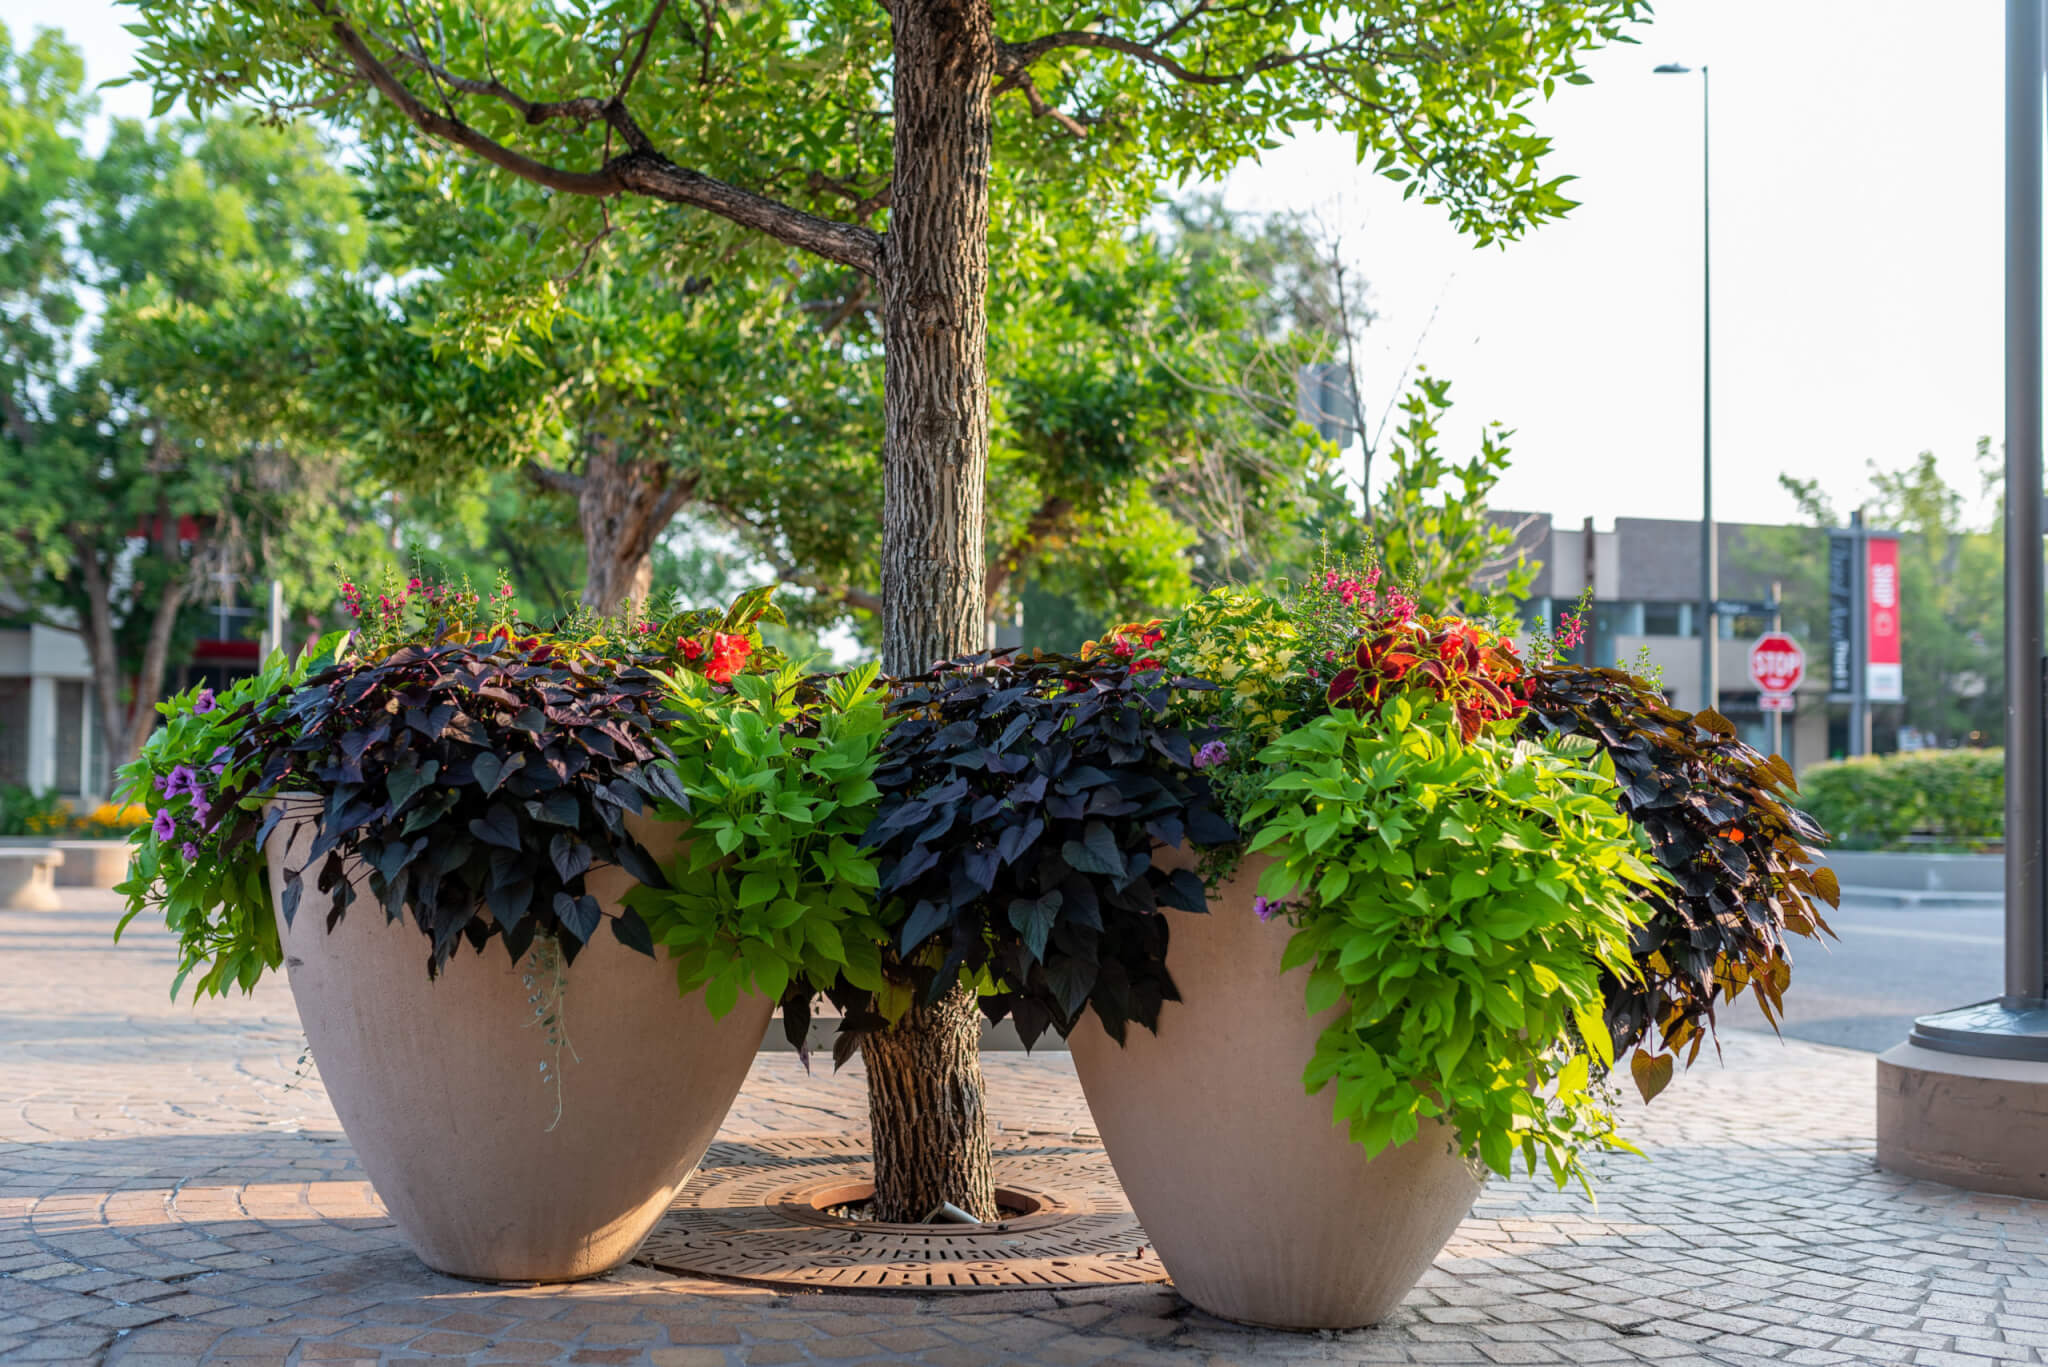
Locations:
column 1710, row 551
column 2026, row 899
column 1965, row 1099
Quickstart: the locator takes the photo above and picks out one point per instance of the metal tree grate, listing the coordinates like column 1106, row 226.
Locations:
column 755, row 1211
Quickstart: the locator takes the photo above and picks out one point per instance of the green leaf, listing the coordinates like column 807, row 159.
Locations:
column 771, row 972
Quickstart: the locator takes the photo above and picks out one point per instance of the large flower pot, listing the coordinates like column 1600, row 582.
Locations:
column 440, row 1087
column 1259, row 1204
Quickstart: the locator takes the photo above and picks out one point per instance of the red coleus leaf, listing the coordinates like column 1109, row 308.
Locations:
column 1346, row 680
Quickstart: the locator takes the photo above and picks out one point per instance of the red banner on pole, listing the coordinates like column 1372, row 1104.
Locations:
column 1883, row 678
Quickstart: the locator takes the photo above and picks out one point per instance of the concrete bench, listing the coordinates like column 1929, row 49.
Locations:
column 92, row 863
column 28, row 877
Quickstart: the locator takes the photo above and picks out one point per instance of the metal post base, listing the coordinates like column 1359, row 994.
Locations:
column 2004, row 1027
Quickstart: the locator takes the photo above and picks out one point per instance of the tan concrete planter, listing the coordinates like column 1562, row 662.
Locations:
column 1261, row 1207
column 439, row 1087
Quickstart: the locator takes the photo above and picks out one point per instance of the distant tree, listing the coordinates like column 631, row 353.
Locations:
column 1951, row 590
column 124, row 499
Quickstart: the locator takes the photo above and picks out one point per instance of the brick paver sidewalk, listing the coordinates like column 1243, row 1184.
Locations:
column 173, row 1189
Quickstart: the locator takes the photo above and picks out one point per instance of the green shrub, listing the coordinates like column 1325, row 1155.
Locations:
column 23, row 811
column 1930, row 800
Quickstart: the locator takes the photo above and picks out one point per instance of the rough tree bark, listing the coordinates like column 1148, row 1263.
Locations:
column 926, row 1112
column 623, row 505
column 930, row 1132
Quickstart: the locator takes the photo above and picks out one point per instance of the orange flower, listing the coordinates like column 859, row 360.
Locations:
column 728, row 656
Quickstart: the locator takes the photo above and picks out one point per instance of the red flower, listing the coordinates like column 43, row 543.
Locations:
column 691, row 649
column 1147, row 663
column 728, row 656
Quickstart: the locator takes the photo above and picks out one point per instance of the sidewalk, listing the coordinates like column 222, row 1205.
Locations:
column 173, row 1190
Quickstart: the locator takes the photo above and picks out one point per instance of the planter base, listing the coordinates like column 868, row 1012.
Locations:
column 1262, row 1208
column 1979, row 1123
column 501, row 1156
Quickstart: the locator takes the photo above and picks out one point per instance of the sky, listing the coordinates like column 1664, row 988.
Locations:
column 1856, row 238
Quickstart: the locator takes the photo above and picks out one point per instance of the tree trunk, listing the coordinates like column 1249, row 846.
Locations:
column 926, row 1112
column 935, row 334
column 100, row 652
column 156, row 655
column 930, row 1129
column 624, row 505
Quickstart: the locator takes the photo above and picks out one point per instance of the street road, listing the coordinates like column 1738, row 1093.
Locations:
column 1890, row 965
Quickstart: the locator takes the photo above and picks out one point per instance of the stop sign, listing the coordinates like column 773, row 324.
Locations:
column 1776, row 662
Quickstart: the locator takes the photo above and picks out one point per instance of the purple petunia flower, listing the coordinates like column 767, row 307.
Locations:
column 189, row 850
column 204, row 703
column 1266, row 910
column 165, row 826
column 183, row 780
column 201, row 811
column 162, row 783
column 1212, row 753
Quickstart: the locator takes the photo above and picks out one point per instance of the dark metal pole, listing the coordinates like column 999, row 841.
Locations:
column 1778, row 624
column 1710, row 552
column 2025, row 904
column 1859, row 635
column 2015, row 1025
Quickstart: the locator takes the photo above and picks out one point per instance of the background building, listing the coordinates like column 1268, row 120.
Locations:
column 1645, row 576
column 47, row 736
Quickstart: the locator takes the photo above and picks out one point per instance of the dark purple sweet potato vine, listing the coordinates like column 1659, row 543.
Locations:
column 479, row 782
column 1721, row 821
column 1023, row 798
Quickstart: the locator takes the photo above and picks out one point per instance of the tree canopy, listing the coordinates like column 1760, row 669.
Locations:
column 129, row 489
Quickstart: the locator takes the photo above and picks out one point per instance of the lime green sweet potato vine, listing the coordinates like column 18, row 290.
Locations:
column 1457, row 901
column 773, row 890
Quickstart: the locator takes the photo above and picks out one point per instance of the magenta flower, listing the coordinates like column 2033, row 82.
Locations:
column 165, row 826
column 205, row 702
column 1212, row 753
